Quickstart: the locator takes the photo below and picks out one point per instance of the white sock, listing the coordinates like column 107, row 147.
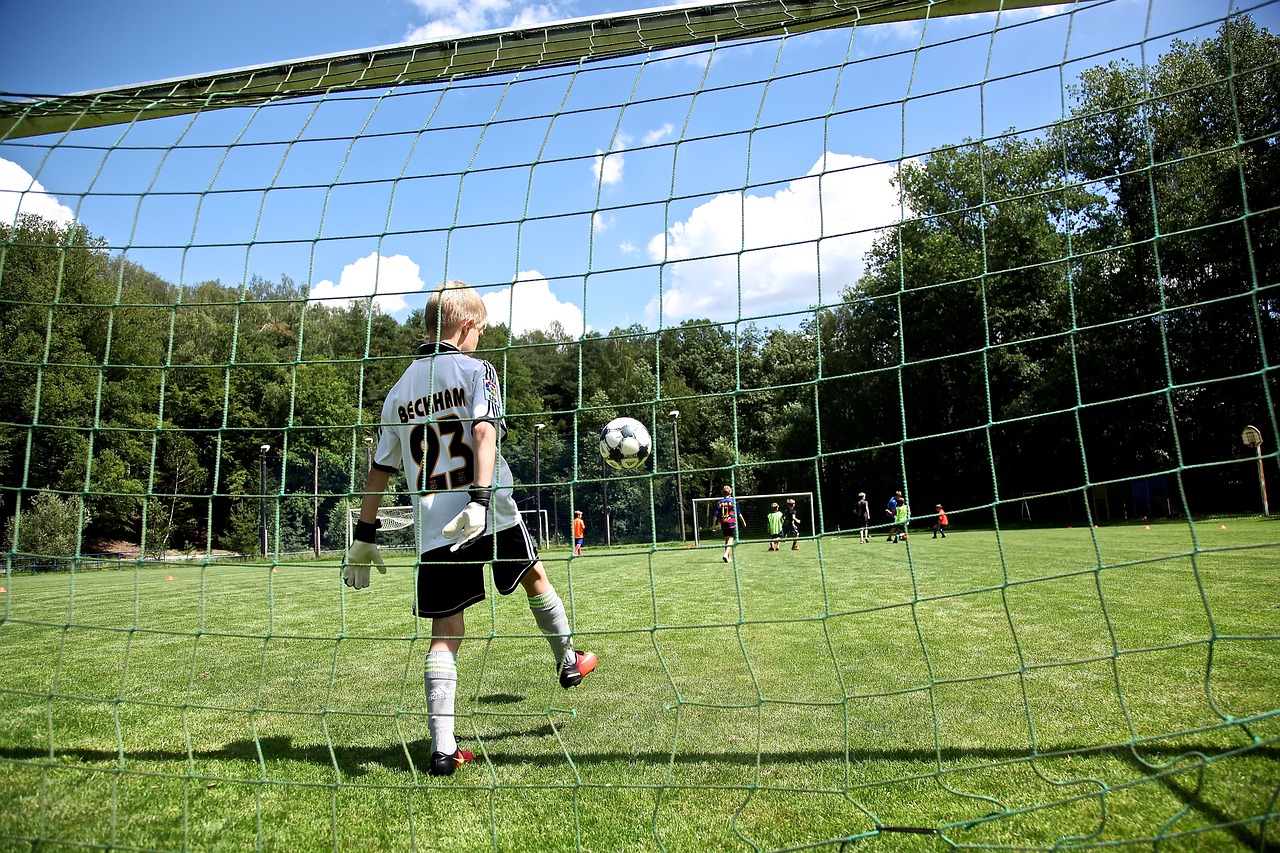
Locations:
column 441, row 682
column 548, row 612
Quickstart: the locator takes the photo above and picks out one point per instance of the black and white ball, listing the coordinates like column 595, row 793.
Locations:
column 625, row 443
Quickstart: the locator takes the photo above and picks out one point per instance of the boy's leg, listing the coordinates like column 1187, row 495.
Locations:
column 551, row 618
column 441, row 682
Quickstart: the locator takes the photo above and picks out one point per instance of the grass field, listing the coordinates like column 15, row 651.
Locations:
column 1029, row 688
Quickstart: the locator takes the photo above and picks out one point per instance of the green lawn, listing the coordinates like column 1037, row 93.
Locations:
column 1027, row 688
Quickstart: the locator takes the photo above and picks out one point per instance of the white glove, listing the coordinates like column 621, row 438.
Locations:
column 355, row 569
column 470, row 522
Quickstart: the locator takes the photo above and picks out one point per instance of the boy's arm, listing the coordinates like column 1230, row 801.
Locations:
column 375, row 486
column 473, row 519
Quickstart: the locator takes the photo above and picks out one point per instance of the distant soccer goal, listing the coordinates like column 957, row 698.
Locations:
column 393, row 518
column 753, row 513
column 536, row 520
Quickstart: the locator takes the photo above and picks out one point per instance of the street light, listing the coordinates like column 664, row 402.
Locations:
column 315, row 500
column 368, row 455
column 262, row 497
column 537, row 480
column 604, row 492
column 1252, row 437
column 675, row 447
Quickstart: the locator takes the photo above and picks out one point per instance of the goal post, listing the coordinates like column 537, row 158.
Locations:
column 755, row 510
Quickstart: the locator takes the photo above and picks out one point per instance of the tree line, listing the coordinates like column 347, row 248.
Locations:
column 1093, row 304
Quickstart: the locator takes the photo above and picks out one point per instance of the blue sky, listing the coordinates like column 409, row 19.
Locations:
column 674, row 186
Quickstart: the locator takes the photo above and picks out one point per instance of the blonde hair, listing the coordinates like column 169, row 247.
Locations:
column 449, row 305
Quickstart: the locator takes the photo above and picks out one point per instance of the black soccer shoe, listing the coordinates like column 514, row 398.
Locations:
column 571, row 674
column 443, row 764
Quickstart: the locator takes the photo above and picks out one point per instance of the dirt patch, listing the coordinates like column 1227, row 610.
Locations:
column 125, row 550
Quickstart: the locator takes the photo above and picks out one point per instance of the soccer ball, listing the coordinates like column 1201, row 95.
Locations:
column 625, row 443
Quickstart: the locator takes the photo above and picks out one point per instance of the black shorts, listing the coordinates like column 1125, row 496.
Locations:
column 451, row 581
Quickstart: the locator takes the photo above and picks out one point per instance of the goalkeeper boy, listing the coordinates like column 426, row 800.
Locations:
column 441, row 423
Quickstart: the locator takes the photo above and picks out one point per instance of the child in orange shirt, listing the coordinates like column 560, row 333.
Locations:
column 579, row 532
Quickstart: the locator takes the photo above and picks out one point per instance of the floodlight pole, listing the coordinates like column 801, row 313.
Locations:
column 604, row 490
column 537, row 480
column 675, row 447
column 262, row 497
column 315, row 500
column 1252, row 437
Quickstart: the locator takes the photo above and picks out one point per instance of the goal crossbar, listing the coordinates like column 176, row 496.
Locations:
column 492, row 52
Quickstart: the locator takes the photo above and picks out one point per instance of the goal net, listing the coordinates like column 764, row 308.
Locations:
column 753, row 514
column 1015, row 261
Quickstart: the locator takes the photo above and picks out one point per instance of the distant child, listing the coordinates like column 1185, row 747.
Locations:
column 448, row 404
column 862, row 514
column 791, row 524
column 775, row 527
column 940, row 525
column 579, row 532
column 901, row 518
column 728, row 516
column 891, row 511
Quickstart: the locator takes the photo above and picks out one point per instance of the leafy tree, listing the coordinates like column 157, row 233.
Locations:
column 49, row 527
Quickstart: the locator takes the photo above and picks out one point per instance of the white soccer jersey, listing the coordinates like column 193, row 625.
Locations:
column 426, row 432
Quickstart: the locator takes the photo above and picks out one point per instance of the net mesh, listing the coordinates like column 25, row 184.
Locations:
column 1021, row 263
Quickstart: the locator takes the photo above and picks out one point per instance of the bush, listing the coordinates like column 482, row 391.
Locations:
column 50, row 528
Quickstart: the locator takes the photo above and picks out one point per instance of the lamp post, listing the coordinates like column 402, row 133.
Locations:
column 537, row 481
column 604, row 492
column 262, row 497
column 368, row 455
column 1252, row 437
column 315, row 500
column 675, row 447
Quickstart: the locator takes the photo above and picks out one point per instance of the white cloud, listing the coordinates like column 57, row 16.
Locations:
column 658, row 134
column 20, row 194
column 629, row 248
column 608, row 167
column 600, row 222
column 530, row 305
column 383, row 278
column 741, row 256
column 446, row 18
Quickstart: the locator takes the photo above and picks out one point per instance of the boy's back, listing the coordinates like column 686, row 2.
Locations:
column 426, row 427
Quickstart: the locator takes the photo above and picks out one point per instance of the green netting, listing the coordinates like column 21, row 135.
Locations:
column 1020, row 263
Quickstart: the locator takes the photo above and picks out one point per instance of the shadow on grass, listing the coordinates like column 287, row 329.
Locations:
column 1181, row 762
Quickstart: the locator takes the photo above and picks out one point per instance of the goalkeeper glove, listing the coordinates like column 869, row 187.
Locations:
column 362, row 553
column 471, row 521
